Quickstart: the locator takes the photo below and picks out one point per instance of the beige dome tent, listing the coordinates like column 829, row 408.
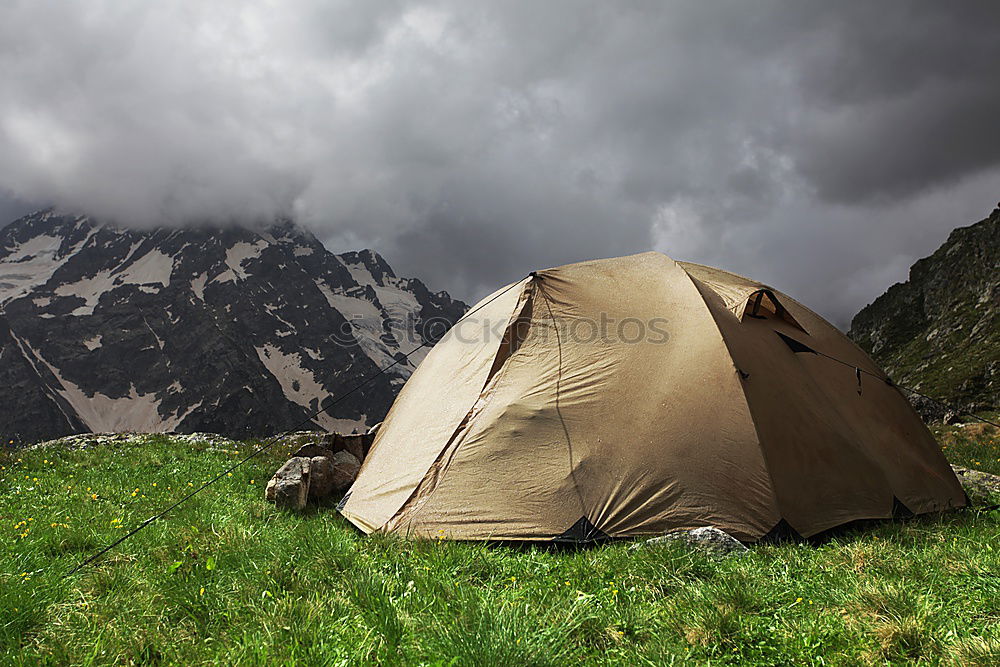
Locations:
column 629, row 396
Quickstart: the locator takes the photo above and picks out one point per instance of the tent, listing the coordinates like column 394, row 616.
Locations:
column 629, row 396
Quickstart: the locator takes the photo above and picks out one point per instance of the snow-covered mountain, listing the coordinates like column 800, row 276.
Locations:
column 231, row 330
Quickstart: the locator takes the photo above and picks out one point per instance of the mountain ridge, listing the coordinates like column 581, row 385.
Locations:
column 231, row 329
column 939, row 331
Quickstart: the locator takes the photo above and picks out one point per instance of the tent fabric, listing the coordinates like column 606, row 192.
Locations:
column 636, row 395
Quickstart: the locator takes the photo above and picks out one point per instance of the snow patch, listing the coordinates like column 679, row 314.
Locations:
column 198, row 285
column 301, row 251
column 153, row 268
column 92, row 343
column 29, row 265
column 365, row 320
column 240, row 253
column 88, row 289
column 346, row 426
column 361, row 275
column 103, row 414
column 300, row 386
column 298, row 383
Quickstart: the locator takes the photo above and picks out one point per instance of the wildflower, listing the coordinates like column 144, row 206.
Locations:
column 797, row 600
column 202, row 591
column 154, row 483
column 513, row 580
column 93, row 496
column 229, row 474
column 190, row 484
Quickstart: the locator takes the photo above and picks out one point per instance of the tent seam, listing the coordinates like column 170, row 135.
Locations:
column 746, row 401
column 413, row 502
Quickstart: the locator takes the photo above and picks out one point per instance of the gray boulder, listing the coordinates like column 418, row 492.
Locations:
column 321, row 477
column 345, row 470
column 290, row 485
column 708, row 539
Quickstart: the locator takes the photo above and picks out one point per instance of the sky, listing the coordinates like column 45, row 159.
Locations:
column 820, row 147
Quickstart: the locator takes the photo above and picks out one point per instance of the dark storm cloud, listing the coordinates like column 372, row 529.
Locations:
column 820, row 146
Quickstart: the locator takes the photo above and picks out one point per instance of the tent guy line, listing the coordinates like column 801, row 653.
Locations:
column 892, row 383
column 273, row 441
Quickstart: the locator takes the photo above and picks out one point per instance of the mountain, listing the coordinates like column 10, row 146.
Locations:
column 939, row 332
column 231, row 330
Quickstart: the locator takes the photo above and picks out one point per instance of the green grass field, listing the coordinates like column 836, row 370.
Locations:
column 227, row 579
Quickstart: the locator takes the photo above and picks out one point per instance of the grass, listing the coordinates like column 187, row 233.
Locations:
column 228, row 579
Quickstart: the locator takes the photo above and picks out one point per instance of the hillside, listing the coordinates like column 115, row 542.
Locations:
column 232, row 330
column 939, row 331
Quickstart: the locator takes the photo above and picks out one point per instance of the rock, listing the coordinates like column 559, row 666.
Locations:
column 345, row 470
column 952, row 418
column 979, row 486
column 929, row 411
column 312, row 450
column 326, row 444
column 708, row 539
column 322, row 475
column 356, row 445
column 326, row 466
column 290, row 485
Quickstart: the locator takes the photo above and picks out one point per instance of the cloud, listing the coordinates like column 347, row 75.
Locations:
column 802, row 143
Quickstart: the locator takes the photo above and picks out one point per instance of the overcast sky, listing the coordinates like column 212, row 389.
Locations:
column 818, row 146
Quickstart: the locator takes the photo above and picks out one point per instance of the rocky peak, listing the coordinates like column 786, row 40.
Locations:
column 233, row 330
column 939, row 331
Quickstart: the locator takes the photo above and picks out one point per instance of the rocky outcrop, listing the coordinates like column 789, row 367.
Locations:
column 939, row 332
column 233, row 330
column 324, row 467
